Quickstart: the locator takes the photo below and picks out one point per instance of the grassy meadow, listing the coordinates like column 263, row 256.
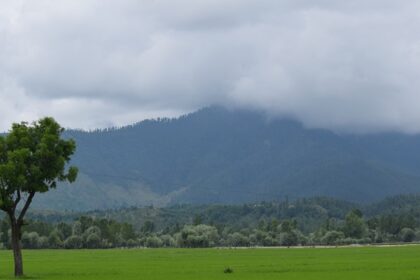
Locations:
column 309, row 263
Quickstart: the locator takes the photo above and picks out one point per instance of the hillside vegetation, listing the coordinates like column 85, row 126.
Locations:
column 316, row 221
column 221, row 156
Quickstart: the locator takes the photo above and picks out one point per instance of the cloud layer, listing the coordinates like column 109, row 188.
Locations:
column 344, row 65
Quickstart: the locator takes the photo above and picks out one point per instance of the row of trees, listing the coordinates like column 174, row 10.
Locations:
column 90, row 232
column 85, row 232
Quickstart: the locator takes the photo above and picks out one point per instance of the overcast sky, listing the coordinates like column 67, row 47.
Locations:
column 345, row 65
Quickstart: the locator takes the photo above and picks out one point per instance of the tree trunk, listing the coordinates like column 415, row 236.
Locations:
column 16, row 246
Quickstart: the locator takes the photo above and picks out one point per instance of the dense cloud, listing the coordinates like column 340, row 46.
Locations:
column 345, row 65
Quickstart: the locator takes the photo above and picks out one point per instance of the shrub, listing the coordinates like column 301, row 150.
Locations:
column 30, row 240
column 93, row 230
column 65, row 230
column 93, row 241
column 167, row 240
column 77, row 228
column 238, row 240
column 73, row 242
column 289, row 238
column 54, row 240
column 199, row 236
column 258, row 237
column 43, row 242
column 228, row 270
column 331, row 237
column 153, row 242
column 407, row 235
column 131, row 243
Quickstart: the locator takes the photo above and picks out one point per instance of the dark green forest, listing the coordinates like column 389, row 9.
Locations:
column 311, row 221
column 232, row 157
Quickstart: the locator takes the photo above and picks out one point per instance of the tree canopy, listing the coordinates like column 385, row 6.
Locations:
column 33, row 159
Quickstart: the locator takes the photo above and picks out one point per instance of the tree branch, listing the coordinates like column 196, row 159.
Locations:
column 17, row 199
column 25, row 207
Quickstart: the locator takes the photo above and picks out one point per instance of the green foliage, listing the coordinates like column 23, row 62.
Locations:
column 231, row 226
column 393, row 224
column 93, row 240
column 355, row 226
column 407, row 235
column 148, row 227
column 153, row 242
column 290, row 238
column 199, row 236
column 332, row 237
column 167, row 240
column 55, row 240
column 77, row 228
column 30, row 240
column 228, row 270
column 73, row 242
column 64, row 230
column 33, row 159
column 238, row 239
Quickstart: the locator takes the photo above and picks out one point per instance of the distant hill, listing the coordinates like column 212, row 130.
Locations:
column 219, row 156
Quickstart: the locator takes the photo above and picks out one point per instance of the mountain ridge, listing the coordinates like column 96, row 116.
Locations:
column 217, row 155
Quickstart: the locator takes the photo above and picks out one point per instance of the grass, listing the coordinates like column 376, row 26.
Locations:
column 149, row 264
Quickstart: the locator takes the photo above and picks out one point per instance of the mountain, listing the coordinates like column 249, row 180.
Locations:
column 220, row 156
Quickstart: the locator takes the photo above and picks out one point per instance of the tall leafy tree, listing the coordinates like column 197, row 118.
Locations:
column 354, row 226
column 33, row 159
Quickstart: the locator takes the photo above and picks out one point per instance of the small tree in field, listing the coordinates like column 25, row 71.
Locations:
column 33, row 159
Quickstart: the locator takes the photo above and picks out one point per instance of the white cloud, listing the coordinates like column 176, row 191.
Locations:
column 345, row 65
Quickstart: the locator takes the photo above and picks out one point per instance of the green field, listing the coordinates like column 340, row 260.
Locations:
column 310, row 263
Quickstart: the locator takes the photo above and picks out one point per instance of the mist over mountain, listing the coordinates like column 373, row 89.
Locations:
column 220, row 156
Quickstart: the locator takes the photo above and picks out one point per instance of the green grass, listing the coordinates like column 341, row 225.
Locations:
column 262, row 264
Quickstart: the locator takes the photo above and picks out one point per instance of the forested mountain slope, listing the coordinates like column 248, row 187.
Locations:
column 221, row 156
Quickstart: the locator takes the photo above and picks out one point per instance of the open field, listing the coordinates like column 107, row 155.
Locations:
column 309, row 263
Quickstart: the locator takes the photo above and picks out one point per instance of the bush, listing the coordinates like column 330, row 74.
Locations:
column 332, row 237
column 77, row 228
column 167, row 240
column 64, row 230
column 228, row 270
column 365, row 240
column 354, row 226
column 93, row 241
column 199, row 236
column 93, row 230
column 258, row 238
column 30, row 240
column 54, row 240
column 407, row 235
column 131, row 243
column 238, row 240
column 73, row 242
column 303, row 240
column 347, row 241
column 379, row 237
column 153, row 242
column 43, row 242
column 289, row 238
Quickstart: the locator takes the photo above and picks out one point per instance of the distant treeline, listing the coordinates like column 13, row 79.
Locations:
column 315, row 221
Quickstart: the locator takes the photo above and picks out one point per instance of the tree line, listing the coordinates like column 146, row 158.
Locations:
column 92, row 232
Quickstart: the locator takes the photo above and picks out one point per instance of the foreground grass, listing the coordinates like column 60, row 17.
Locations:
column 310, row 263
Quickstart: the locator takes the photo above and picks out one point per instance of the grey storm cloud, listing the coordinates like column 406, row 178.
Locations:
column 343, row 65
